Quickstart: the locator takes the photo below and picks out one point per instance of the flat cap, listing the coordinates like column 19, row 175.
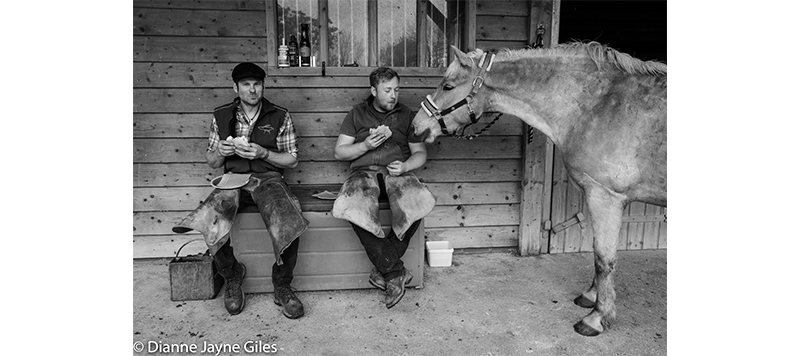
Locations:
column 247, row 70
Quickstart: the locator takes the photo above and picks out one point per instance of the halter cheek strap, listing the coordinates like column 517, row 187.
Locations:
column 433, row 110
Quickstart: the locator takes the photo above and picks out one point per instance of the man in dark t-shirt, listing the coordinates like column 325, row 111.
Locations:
column 378, row 139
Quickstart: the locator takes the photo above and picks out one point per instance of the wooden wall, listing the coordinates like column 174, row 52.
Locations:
column 183, row 54
column 501, row 24
column 644, row 226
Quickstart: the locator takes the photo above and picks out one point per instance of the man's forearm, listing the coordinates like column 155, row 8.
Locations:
column 214, row 160
column 280, row 159
column 351, row 151
column 416, row 160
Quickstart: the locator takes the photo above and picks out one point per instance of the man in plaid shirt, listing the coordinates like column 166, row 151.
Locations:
column 286, row 141
column 265, row 144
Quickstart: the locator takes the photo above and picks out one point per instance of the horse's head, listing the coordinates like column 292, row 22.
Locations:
column 457, row 100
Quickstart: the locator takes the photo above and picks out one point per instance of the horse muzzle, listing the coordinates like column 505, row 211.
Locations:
column 428, row 133
column 425, row 127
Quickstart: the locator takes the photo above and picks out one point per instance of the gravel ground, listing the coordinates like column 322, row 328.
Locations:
column 485, row 304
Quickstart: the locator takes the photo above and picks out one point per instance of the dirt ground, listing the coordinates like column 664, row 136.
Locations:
column 485, row 304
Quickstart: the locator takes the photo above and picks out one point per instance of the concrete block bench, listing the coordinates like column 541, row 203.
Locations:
column 330, row 256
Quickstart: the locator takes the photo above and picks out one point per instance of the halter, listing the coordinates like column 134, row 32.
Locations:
column 433, row 110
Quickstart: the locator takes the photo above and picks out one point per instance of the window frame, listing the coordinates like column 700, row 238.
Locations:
column 467, row 41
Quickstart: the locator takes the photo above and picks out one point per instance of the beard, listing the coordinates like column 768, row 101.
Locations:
column 387, row 105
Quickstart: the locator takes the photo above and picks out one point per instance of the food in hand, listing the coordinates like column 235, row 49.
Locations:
column 240, row 141
column 382, row 130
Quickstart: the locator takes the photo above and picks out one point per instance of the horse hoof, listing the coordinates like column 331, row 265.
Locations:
column 584, row 329
column 583, row 302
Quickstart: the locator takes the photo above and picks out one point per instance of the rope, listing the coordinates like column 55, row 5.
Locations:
column 470, row 137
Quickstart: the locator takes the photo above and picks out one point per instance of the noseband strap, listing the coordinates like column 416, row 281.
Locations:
column 433, row 110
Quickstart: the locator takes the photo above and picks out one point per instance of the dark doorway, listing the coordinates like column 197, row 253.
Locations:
column 635, row 27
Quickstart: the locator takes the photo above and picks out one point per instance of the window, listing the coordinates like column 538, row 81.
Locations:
column 396, row 33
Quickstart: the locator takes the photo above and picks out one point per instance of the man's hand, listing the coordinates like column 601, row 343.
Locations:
column 396, row 168
column 253, row 151
column 374, row 141
column 226, row 148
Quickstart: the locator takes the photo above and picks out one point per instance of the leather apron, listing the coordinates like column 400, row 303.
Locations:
column 279, row 208
column 409, row 200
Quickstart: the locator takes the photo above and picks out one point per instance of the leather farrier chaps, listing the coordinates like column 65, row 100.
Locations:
column 409, row 200
column 279, row 208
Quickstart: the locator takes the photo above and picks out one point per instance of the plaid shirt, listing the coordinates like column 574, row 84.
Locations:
column 286, row 140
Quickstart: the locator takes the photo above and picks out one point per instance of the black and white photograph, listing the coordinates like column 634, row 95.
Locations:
column 400, row 177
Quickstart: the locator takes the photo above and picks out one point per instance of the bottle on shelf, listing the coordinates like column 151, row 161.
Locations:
column 305, row 46
column 294, row 59
column 283, row 54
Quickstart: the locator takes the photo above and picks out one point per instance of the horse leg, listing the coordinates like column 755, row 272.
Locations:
column 589, row 297
column 606, row 209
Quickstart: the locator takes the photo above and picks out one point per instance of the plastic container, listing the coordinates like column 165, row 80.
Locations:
column 440, row 253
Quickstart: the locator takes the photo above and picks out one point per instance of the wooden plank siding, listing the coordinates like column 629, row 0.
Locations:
column 240, row 5
column 501, row 24
column 196, row 125
column 184, row 51
column 641, row 228
column 559, row 210
column 183, row 54
column 320, row 149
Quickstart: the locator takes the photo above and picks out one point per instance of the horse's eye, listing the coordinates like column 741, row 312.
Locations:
column 447, row 87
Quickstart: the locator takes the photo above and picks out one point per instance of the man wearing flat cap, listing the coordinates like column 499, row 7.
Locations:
column 254, row 140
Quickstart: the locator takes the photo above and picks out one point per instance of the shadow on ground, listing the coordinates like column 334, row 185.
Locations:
column 485, row 304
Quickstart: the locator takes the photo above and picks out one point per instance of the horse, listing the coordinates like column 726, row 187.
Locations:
column 605, row 110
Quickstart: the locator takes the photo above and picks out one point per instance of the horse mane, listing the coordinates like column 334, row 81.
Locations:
column 599, row 53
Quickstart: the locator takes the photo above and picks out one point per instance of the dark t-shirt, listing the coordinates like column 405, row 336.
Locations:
column 364, row 117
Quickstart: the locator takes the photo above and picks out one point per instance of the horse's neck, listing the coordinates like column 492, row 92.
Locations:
column 523, row 109
column 540, row 91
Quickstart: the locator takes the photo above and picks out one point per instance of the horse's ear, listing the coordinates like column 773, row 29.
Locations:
column 462, row 57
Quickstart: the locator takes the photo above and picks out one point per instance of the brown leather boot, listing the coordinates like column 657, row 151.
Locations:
column 376, row 279
column 234, row 295
column 396, row 288
column 292, row 306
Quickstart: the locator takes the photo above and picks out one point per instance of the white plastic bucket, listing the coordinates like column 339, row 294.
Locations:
column 440, row 253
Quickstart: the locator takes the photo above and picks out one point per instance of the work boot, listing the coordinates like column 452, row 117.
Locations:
column 396, row 288
column 292, row 306
column 234, row 295
column 376, row 279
